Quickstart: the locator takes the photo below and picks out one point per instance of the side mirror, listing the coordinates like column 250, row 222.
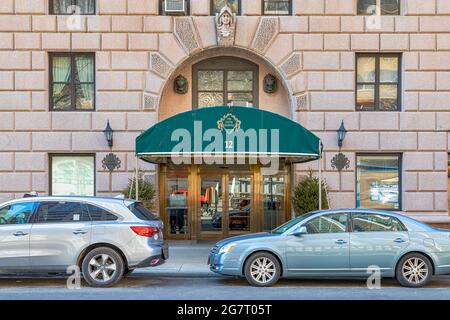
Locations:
column 300, row 231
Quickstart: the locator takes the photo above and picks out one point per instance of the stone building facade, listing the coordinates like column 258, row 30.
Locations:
column 312, row 51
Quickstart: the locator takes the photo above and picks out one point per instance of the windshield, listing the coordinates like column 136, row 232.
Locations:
column 286, row 226
column 142, row 212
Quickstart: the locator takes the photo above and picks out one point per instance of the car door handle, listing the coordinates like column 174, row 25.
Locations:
column 79, row 232
column 399, row 240
column 20, row 234
column 341, row 241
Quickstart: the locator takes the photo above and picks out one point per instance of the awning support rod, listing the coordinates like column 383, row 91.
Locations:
column 137, row 179
column 320, row 177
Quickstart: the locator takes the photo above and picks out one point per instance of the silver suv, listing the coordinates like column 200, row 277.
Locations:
column 105, row 237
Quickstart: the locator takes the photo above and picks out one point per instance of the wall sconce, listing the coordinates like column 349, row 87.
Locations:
column 340, row 161
column 108, row 132
column 341, row 134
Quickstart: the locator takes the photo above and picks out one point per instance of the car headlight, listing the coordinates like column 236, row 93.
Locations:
column 227, row 248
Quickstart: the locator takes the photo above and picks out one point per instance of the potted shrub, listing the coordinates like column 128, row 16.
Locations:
column 305, row 197
column 147, row 191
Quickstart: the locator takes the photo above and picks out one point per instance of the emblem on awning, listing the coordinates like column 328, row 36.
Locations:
column 229, row 123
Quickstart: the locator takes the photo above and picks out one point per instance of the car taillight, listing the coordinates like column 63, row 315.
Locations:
column 145, row 231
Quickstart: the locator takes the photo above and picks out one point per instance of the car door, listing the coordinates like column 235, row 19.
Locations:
column 376, row 240
column 324, row 249
column 61, row 230
column 15, row 229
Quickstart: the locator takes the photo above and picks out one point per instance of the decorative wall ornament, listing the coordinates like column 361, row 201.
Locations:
column 159, row 65
column 111, row 162
column 302, row 102
column 270, row 83
column 150, row 101
column 291, row 65
column 225, row 26
column 184, row 31
column 340, row 162
column 267, row 30
column 180, row 85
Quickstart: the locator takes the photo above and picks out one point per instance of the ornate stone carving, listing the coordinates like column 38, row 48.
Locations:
column 225, row 26
column 180, row 85
column 340, row 162
column 291, row 65
column 150, row 102
column 267, row 30
column 111, row 162
column 270, row 84
column 302, row 102
column 185, row 33
column 159, row 65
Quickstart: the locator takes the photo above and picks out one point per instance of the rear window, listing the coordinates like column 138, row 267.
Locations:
column 100, row 214
column 142, row 212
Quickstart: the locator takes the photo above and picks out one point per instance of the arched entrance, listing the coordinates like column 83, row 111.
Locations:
column 225, row 170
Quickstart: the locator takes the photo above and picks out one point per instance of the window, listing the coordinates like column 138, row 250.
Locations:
column 331, row 223
column 61, row 212
column 378, row 181
column 72, row 175
column 100, row 214
column 141, row 212
column 72, row 7
column 277, row 7
column 363, row 222
column 217, row 5
column 18, row 213
column 379, row 7
column 225, row 81
column 174, row 7
column 72, row 81
column 378, row 82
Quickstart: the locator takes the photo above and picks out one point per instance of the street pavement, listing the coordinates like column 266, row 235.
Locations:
column 187, row 277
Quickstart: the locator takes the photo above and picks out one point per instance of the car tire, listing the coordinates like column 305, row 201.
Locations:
column 262, row 269
column 102, row 267
column 414, row 270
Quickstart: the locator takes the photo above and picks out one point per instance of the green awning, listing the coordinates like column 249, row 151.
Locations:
column 228, row 130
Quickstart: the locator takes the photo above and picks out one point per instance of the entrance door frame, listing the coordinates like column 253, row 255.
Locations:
column 195, row 172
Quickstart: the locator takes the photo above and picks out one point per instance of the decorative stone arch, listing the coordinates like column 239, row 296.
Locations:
column 257, row 39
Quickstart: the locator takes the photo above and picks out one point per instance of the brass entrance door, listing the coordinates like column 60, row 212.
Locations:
column 211, row 203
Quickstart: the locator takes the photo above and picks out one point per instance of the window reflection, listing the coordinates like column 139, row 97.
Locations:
column 211, row 205
column 72, row 175
column 240, row 203
column 177, row 204
column 217, row 5
column 273, row 190
column 378, row 181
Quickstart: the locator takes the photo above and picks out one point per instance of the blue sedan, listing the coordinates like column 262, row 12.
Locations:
column 338, row 243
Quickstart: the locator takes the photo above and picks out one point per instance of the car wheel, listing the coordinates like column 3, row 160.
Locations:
column 262, row 269
column 102, row 267
column 414, row 270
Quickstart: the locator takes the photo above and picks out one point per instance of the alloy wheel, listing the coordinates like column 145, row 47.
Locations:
column 262, row 270
column 102, row 267
column 415, row 270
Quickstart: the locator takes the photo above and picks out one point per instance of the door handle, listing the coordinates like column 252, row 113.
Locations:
column 341, row 241
column 399, row 240
column 79, row 232
column 20, row 234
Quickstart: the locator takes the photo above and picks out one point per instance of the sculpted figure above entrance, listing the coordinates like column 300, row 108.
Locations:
column 225, row 26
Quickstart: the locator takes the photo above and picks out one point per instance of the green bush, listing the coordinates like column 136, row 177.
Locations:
column 147, row 191
column 305, row 197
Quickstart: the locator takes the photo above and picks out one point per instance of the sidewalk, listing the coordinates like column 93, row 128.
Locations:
column 186, row 259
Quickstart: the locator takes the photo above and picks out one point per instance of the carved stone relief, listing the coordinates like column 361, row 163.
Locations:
column 159, row 65
column 265, row 33
column 292, row 65
column 225, row 26
column 185, row 33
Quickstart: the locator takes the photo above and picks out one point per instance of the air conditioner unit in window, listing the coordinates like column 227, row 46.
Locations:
column 175, row 6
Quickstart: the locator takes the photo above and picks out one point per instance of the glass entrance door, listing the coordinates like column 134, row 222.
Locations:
column 225, row 205
column 211, row 206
